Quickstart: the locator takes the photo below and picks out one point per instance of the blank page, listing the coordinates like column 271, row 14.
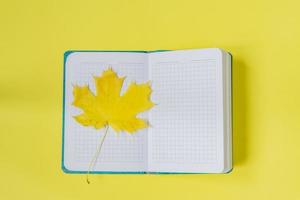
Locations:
column 186, row 133
column 121, row 152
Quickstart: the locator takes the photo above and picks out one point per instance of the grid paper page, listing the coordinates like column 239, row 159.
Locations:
column 121, row 152
column 186, row 133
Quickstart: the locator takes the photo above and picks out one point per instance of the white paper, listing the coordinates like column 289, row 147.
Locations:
column 187, row 124
column 121, row 153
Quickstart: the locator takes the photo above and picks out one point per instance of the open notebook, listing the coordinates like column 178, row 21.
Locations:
column 190, row 125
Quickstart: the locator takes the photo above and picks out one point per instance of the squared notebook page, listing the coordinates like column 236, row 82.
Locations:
column 120, row 152
column 186, row 133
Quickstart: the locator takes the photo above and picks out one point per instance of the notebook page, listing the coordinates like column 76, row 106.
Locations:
column 228, row 112
column 121, row 152
column 187, row 124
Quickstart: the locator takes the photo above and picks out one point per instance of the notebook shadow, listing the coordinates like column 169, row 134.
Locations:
column 240, row 109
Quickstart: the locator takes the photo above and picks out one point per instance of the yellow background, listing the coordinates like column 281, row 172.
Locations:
column 262, row 35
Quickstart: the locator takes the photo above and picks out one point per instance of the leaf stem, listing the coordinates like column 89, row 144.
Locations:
column 96, row 155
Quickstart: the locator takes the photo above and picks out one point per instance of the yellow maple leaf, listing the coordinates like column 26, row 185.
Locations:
column 107, row 107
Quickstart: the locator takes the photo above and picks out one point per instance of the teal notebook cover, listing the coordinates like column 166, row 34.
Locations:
column 64, row 168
